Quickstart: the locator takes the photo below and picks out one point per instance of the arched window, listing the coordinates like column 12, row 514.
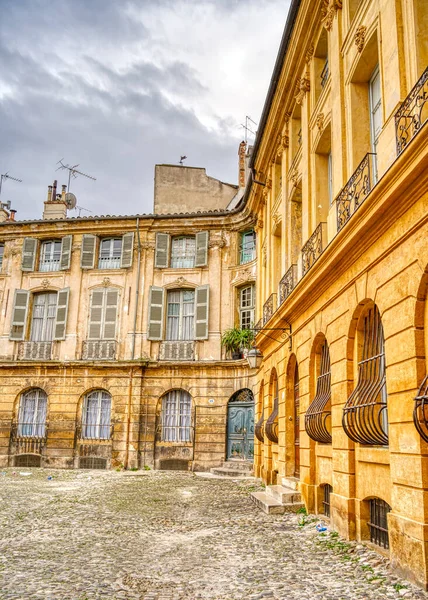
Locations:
column 378, row 523
column 365, row 417
column 176, row 416
column 50, row 255
column 318, row 415
column 96, row 416
column 32, row 414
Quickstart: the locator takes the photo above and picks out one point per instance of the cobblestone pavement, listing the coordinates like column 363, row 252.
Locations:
column 86, row 535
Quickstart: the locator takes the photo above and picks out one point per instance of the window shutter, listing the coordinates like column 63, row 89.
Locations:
column 202, row 296
column 155, row 320
column 29, row 254
column 110, row 317
column 65, row 252
column 87, row 258
column 127, row 250
column 201, row 249
column 61, row 313
column 19, row 314
column 96, row 314
column 162, row 250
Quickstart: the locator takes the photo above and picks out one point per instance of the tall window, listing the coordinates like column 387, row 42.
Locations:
column 43, row 317
column 110, row 253
column 1, row 255
column 375, row 115
column 50, row 256
column 330, row 177
column 32, row 414
column 103, row 314
column 176, row 416
column 96, row 415
column 247, row 247
column 246, row 307
column 183, row 250
column 180, row 315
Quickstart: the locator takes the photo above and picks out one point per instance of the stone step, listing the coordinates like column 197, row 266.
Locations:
column 238, row 465
column 283, row 494
column 267, row 503
column 290, row 482
column 235, row 473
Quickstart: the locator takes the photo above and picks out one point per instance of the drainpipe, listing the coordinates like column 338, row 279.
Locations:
column 137, row 289
column 128, row 425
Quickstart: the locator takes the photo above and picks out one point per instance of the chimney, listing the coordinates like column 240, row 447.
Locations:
column 63, row 192
column 49, row 198
column 55, row 207
column 12, row 214
column 54, row 190
column 241, row 154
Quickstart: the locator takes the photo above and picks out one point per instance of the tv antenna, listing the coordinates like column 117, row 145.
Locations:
column 7, row 176
column 247, row 128
column 182, row 158
column 72, row 172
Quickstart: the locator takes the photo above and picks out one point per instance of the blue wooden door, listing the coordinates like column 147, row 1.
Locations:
column 240, row 431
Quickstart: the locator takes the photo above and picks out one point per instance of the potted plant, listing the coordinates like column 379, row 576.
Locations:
column 235, row 340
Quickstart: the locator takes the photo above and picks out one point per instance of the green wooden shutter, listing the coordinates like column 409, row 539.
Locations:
column 110, row 314
column 65, row 252
column 202, row 301
column 29, row 250
column 61, row 313
column 162, row 250
column 87, row 257
column 127, row 250
column 96, row 313
column 19, row 314
column 201, row 258
column 155, row 318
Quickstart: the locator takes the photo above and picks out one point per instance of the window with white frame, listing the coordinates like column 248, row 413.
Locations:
column 103, row 314
column 183, row 251
column 43, row 317
column 247, row 247
column 180, row 315
column 50, row 256
column 375, row 114
column 246, row 306
column 176, row 416
column 1, row 255
column 110, row 253
column 32, row 414
column 96, row 415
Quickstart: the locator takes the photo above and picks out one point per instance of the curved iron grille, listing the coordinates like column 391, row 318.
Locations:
column 271, row 427
column 365, row 417
column 317, row 418
column 259, row 429
column 420, row 411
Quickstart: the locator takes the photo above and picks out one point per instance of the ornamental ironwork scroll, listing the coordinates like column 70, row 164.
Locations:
column 420, row 411
column 259, row 428
column 355, row 191
column 318, row 415
column 269, row 307
column 287, row 283
column 412, row 114
column 313, row 249
column 365, row 417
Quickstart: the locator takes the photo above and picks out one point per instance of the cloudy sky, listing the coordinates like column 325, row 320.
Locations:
column 120, row 85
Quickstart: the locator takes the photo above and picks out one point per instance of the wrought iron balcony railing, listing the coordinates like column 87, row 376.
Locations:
column 259, row 325
column 99, row 350
column 35, row 351
column 313, row 248
column 269, row 307
column 356, row 190
column 177, row 350
column 412, row 114
column 287, row 283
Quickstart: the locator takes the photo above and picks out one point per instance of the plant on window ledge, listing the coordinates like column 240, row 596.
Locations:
column 236, row 340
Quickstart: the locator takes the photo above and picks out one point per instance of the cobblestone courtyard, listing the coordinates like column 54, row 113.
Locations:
column 86, row 535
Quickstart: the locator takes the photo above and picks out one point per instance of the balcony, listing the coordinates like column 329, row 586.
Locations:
column 412, row 114
column 35, row 350
column 314, row 247
column 356, row 190
column 177, row 350
column 99, row 350
column 287, row 283
column 269, row 307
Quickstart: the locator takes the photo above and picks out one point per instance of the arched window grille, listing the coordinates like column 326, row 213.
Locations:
column 378, row 523
column 176, row 416
column 420, row 411
column 32, row 414
column 259, row 427
column 317, row 418
column 365, row 418
column 96, row 416
column 271, row 427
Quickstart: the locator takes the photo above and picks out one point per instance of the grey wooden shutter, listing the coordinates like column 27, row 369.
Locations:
column 202, row 301
column 29, row 254
column 127, row 250
column 61, row 313
column 155, row 318
column 201, row 258
column 162, row 250
column 19, row 314
column 96, row 311
column 65, row 252
column 110, row 314
column 87, row 257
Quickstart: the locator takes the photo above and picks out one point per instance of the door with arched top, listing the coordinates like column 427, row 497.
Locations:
column 240, row 426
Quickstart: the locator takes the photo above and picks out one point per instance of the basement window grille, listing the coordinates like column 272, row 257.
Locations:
column 92, row 462
column 378, row 523
column 327, row 489
column 28, row 460
column 318, row 415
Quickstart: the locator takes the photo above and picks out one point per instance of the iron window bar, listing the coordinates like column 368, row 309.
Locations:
column 318, row 415
column 259, row 428
column 420, row 411
column 355, row 191
column 96, row 431
column 409, row 117
column 175, row 433
column 269, row 307
column 364, row 417
column 378, row 523
column 288, row 283
column 327, row 490
column 271, row 427
column 313, row 248
column 35, row 430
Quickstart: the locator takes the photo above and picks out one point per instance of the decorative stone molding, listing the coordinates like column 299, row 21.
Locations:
column 259, row 224
column 320, row 121
column 264, row 253
column 181, row 281
column 360, row 37
column 217, row 242
column 45, row 284
column 294, row 178
column 106, row 282
column 283, row 144
column 310, row 53
column 329, row 9
column 243, row 277
column 303, row 85
column 147, row 245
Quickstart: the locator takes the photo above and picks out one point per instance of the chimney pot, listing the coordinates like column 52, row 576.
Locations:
column 12, row 214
